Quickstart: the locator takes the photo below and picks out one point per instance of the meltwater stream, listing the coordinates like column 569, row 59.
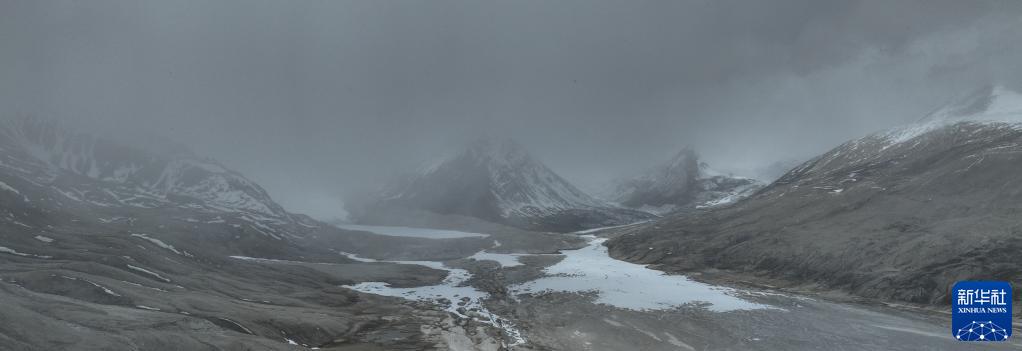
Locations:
column 452, row 293
column 589, row 269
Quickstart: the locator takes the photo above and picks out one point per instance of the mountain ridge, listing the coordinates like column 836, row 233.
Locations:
column 501, row 182
column 896, row 215
column 47, row 150
column 683, row 183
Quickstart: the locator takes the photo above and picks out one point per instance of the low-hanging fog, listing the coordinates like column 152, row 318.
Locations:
column 315, row 99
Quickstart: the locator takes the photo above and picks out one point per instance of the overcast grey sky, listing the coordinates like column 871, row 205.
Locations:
column 304, row 96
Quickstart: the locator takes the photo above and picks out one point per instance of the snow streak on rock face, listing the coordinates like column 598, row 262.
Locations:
column 46, row 151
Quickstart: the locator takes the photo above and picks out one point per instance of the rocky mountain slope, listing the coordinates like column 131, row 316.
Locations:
column 683, row 183
column 900, row 214
column 46, row 153
column 104, row 246
column 502, row 183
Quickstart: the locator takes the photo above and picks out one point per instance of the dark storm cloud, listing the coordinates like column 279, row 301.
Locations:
column 312, row 95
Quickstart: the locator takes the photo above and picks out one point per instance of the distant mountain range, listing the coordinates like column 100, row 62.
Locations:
column 83, row 168
column 96, row 235
column 900, row 214
column 500, row 181
column 55, row 179
column 683, row 183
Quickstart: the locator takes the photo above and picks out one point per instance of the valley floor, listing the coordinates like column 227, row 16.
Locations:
column 585, row 300
column 508, row 290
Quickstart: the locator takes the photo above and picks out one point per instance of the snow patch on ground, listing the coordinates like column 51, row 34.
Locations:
column 105, row 289
column 727, row 199
column 505, row 260
column 590, row 231
column 11, row 251
column 356, row 257
column 162, row 244
column 146, row 271
column 4, row 186
column 628, row 285
column 677, row 342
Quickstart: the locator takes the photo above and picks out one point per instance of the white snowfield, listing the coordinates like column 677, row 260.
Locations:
column 411, row 232
column 628, row 285
column 505, row 260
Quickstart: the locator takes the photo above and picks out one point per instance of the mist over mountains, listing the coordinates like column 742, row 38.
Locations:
column 341, row 94
column 501, row 182
column 95, row 234
column 901, row 214
column 602, row 175
column 48, row 153
column 683, row 183
column 155, row 233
